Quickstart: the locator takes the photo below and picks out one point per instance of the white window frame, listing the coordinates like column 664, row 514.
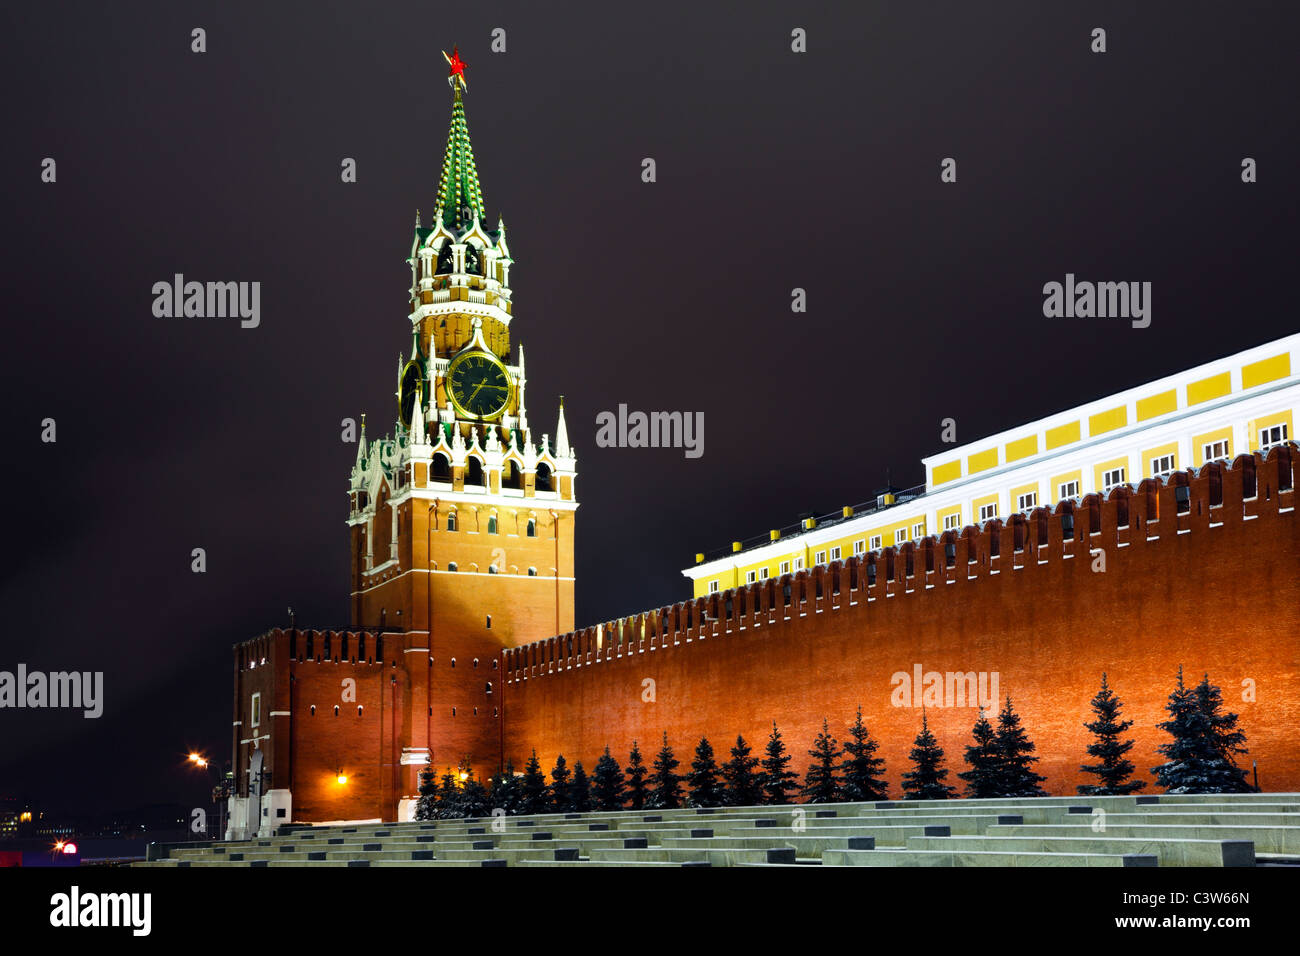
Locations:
column 713, row 587
column 255, row 710
column 989, row 511
column 1110, row 481
column 860, row 546
column 875, row 542
column 900, row 536
column 763, row 574
column 1266, row 439
column 1027, row 502
column 819, row 558
column 798, row 563
column 1157, row 465
column 785, row 567
column 952, row 522
column 1214, row 450
column 835, row 553
column 918, row 530
column 1068, row 489
column 751, row 577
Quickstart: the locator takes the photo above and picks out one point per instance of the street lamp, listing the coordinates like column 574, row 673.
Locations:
column 220, row 789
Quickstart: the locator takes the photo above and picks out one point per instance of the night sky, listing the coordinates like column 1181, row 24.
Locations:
column 775, row 170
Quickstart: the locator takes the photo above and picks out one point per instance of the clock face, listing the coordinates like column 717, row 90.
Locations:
column 411, row 379
column 479, row 385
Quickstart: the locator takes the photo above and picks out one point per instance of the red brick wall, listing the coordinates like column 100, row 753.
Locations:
column 1176, row 590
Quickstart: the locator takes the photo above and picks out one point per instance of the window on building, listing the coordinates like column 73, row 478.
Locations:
column 532, row 572
column 762, row 574
column 543, row 481
column 751, row 577
column 713, row 587
column 835, row 554
column 492, row 569
column 900, row 536
column 819, row 557
column 1162, row 466
column 1273, row 435
column 860, row 547
column 785, row 567
column 875, row 542
column 532, row 527
column 798, row 563
column 256, row 710
column 1216, row 449
column 451, row 566
column 1111, row 479
column 952, row 522
column 1027, row 502
column 989, row 511
column 1069, row 489
column 918, row 530
column 474, row 472
column 492, row 525
column 451, row 521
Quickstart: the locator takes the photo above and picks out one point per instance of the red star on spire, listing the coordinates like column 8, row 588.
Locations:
column 456, row 68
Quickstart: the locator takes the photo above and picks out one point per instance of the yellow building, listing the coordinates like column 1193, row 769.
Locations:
column 1224, row 408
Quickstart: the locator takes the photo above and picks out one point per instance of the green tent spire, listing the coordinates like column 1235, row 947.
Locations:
column 459, row 195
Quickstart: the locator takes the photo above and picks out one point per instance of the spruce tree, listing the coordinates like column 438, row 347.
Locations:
column 744, row 786
column 1225, row 738
column 777, row 778
column 448, row 807
column 1018, row 778
column 636, row 774
column 507, row 791
column 822, row 784
column 926, row 782
column 473, row 795
column 1204, row 740
column 667, row 794
column 863, row 771
column 706, row 788
column 428, row 802
column 984, row 778
column 579, row 789
column 536, row 796
column 1115, row 768
column 609, row 789
column 560, row 774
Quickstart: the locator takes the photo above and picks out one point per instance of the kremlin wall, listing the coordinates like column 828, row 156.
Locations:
column 1200, row 571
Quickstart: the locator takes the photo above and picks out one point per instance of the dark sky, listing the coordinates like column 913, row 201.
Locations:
column 775, row 171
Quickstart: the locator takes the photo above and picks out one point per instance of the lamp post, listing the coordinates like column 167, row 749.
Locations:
column 220, row 788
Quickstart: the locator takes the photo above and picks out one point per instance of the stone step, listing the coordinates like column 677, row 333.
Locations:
column 1169, row 852
column 896, row 857
column 715, row 857
column 1266, row 839
column 813, row 844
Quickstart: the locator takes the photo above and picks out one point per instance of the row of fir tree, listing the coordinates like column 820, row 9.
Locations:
column 1200, row 759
